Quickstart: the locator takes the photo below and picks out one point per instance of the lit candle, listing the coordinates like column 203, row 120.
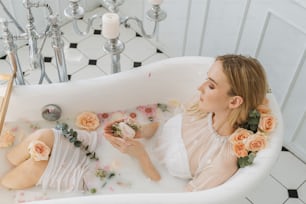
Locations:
column 110, row 25
column 155, row 2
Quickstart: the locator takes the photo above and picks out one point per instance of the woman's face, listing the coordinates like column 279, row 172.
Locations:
column 214, row 91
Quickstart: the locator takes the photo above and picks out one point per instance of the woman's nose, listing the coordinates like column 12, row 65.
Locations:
column 201, row 87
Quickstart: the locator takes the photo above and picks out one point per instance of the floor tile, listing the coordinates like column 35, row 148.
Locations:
column 87, row 73
column 289, row 170
column 126, row 34
column 75, row 60
column 5, row 67
column 155, row 57
column 139, row 49
column 302, row 192
column 266, row 193
column 293, row 201
column 92, row 46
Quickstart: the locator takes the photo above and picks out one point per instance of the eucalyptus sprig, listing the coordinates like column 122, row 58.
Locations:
column 252, row 121
column 72, row 136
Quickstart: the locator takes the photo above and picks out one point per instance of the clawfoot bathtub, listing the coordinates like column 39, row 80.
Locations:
column 175, row 78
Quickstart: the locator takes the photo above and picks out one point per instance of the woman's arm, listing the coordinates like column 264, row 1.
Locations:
column 135, row 149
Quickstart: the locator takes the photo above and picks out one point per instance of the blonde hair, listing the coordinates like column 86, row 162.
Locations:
column 247, row 79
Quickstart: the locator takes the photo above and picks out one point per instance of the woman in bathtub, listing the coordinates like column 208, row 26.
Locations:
column 196, row 143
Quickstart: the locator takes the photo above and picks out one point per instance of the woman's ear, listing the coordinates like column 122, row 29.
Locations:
column 235, row 102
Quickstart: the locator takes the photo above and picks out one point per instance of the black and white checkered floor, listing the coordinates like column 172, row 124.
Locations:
column 85, row 58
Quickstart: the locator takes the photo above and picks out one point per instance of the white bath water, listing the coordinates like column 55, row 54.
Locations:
column 123, row 173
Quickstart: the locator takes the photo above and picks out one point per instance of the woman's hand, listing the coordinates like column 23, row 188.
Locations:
column 135, row 149
column 128, row 146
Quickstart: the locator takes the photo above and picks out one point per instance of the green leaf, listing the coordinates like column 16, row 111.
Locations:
column 253, row 121
column 93, row 190
column 163, row 107
column 245, row 161
column 72, row 139
column 77, row 143
column 251, row 157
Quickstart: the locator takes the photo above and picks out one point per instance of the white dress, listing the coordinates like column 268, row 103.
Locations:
column 190, row 148
column 67, row 163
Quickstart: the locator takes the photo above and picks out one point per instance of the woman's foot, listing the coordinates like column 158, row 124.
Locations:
column 20, row 152
column 26, row 175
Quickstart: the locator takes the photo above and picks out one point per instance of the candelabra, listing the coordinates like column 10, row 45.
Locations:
column 111, row 22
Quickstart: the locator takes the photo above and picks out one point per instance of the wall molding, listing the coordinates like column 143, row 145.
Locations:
column 204, row 29
column 186, row 27
column 294, row 79
column 242, row 25
column 301, row 3
column 300, row 64
column 266, row 23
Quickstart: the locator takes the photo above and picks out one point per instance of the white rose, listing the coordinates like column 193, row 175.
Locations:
column 126, row 130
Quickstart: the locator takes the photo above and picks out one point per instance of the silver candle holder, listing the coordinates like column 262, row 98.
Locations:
column 114, row 47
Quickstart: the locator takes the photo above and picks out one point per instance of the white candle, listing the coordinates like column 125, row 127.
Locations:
column 110, row 25
column 155, row 2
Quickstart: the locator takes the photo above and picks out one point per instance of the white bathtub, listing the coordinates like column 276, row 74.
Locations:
column 175, row 78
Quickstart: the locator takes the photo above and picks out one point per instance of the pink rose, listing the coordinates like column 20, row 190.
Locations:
column 88, row 121
column 256, row 142
column 240, row 150
column 240, row 135
column 149, row 111
column 7, row 139
column 267, row 123
column 39, row 150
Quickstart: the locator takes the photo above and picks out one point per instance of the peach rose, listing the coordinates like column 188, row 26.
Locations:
column 263, row 109
column 7, row 139
column 240, row 135
column 88, row 121
column 267, row 123
column 39, row 150
column 256, row 142
column 240, row 150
